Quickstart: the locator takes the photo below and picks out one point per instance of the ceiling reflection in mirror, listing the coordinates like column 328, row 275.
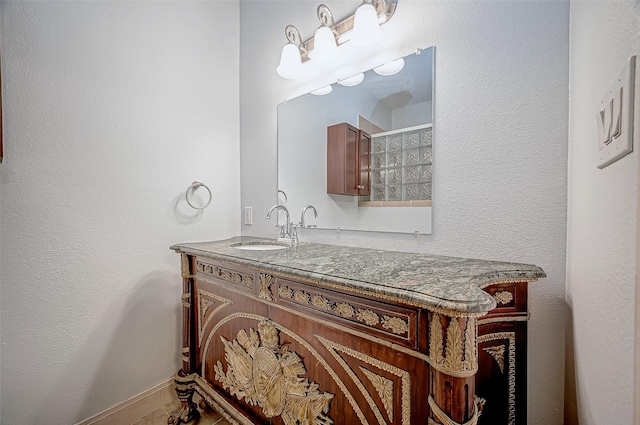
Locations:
column 391, row 118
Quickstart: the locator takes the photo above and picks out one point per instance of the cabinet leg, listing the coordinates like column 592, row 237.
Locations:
column 188, row 410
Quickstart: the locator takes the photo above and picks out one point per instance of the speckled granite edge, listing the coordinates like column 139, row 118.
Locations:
column 426, row 281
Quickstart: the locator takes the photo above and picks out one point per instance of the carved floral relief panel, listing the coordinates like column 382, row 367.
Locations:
column 263, row 373
column 453, row 347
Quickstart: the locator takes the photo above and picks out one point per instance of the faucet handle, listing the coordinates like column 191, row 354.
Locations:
column 293, row 233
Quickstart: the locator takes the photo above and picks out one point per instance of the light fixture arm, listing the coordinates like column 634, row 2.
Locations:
column 293, row 35
column 388, row 7
column 325, row 16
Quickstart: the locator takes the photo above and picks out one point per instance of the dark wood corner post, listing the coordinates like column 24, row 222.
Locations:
column 453, row 354
column 188, row 312
column 185, row 384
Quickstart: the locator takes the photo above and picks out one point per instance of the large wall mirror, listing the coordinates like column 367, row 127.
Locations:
column 394, row 114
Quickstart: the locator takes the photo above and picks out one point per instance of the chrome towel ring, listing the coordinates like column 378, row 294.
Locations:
column 283, row 194
column 193, row 187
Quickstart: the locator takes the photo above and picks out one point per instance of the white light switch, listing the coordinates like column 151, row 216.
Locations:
column 615, row 117
column 616, row 114
column 248, row 215
column 604, row 125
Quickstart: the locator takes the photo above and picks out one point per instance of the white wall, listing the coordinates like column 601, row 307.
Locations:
column 500, row 143
column 602, row 219
column 0, row 240
column 1, row 253
column 409, row 115
column 111, row 110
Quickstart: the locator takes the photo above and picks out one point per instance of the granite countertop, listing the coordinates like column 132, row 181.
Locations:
column 422, row 280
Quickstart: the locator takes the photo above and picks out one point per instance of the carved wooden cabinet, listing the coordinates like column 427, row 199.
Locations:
column 264, row 344
column 348, row 160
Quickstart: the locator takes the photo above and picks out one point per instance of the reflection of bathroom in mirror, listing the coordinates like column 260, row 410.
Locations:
column 394, row 115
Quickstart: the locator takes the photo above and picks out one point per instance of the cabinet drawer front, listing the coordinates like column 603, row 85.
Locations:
column 510, row 297
column 237, row 278
column 393, row 323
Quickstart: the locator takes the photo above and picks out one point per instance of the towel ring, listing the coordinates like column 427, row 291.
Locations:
column 285, row 196
column 194, row 186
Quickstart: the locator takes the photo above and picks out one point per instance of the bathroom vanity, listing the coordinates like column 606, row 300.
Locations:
column 320, row 334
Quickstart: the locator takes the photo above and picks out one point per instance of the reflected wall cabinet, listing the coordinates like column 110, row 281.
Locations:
column 348, row 160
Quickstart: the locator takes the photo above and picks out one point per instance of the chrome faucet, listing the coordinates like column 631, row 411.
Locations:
column 304, row 210
column 288, row 231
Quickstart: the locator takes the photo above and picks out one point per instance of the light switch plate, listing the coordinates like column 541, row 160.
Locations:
column 248, row 215
column 615, row 117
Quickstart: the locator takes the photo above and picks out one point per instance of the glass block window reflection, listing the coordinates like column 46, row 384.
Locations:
column 401, row 165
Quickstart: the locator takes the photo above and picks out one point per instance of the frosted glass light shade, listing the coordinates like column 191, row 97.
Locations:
column 352, row 81
column 390, row 68
column 325, row 49
column 290, row 62
column 366, row 27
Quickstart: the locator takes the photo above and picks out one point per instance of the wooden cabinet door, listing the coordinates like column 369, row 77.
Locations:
column 364, row 163
column 501, row 377
column 502, row 356
column 350, row 137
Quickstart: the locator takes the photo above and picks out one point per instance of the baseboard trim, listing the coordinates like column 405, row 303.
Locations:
column 136, row 407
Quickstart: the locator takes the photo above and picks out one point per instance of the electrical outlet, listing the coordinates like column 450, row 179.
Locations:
column 248, row 215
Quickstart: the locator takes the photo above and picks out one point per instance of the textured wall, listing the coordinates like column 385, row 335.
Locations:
column 111, row 109
column 602, row 221
column 500, row 143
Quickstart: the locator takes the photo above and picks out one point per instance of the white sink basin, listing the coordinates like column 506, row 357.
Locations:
column 259, row 246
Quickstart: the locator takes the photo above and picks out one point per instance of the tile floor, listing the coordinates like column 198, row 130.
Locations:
column 160, row 416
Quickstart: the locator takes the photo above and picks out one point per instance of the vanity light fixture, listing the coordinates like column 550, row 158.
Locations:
column 352, row 81
column 390, row 68
column 360, row 28
column 325, row 46
column 290, row 61
column 366, row 27
column 322, row 91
